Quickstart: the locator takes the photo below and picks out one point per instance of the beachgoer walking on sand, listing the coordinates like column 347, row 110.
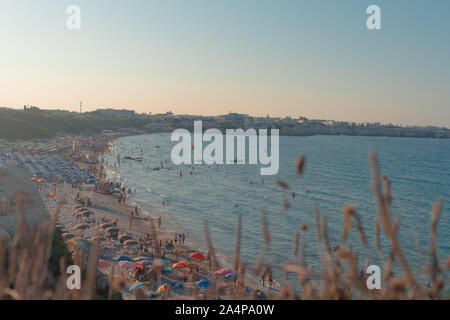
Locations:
column 176, row 239
column 159, row 223
column 183, row 238
column 270, row 279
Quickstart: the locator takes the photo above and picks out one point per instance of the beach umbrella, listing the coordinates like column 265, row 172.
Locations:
column 112, row 229
column 163, row 288
column 224, row 271
column 203, row 283
column 127, row 264
column 197, row 256
column 146, row 262
column 231, row 276
column 106, row 225
column 125, row 237
column 98, row 238
column 103, row 264
column 136, row 285
column 87, row 213
column 140, row 266
column 179, row 265
column 131, row 243
column 82, row 226
column 67, row 236
column 52, row 194
column 124, row 258
column 140, row 258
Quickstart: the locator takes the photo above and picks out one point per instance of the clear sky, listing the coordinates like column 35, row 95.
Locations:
column 281, row 57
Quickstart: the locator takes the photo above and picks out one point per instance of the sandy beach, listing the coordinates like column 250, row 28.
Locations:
column 136, row 250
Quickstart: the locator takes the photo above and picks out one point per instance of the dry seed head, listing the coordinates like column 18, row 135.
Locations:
column 300, row 165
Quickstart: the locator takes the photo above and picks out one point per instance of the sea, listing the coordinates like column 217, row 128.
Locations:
column 336, row 174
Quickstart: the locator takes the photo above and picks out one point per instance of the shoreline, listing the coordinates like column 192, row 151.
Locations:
column 106, row 210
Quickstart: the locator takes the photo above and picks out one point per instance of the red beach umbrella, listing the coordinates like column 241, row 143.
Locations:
column 197, row 256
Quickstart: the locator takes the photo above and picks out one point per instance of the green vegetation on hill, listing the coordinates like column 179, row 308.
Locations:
column 35, row 123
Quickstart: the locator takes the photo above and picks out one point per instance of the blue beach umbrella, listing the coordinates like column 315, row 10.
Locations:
column 136, row 285
column 203, row 283
column 124, row 258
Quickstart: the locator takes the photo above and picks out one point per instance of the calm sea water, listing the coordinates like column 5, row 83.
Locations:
column 336, row 173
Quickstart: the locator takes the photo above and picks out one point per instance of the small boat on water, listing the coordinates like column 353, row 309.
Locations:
column 127, row 158
column 137, row 159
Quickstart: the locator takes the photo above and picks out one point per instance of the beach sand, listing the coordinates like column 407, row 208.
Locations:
column 107, row 209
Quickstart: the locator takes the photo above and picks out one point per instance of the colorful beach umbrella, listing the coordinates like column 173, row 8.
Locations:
column 163, row 288
column 197, row 256
column 224, row 271
column 140, row 266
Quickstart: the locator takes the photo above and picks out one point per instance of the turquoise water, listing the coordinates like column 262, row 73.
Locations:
column 336, row 173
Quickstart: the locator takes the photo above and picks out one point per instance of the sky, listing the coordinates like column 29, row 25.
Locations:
column 315, row 59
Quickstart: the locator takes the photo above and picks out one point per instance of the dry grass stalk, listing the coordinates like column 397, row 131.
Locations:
column 388, row 226
column 300, row 165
